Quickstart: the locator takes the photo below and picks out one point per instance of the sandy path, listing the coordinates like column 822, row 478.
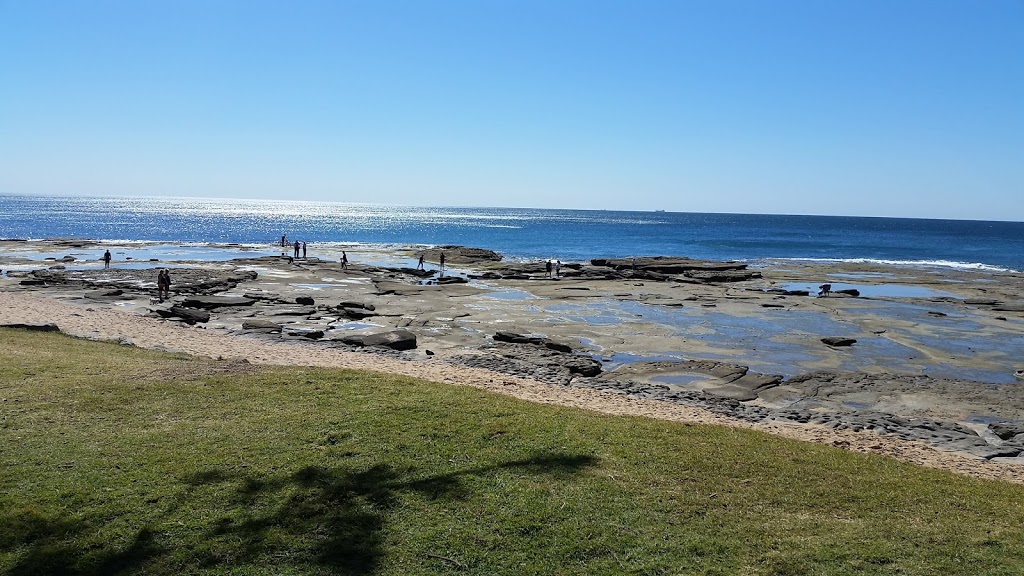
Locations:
column 91, row 320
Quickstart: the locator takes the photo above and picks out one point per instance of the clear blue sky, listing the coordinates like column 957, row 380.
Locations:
column 851, row 107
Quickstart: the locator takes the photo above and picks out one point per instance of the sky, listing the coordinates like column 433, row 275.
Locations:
column 846, row 107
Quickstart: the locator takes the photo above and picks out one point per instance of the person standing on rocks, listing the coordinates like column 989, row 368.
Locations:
column 442, row 263
column 303, row 250
column 297, row 247
column 284, row 240
column 163, row 284
column 547, row 268
column 106, row 259
column 558, row 268
column 419, row 266
column 344, row 260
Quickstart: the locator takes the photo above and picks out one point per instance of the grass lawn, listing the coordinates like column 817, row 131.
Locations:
column 116, row 460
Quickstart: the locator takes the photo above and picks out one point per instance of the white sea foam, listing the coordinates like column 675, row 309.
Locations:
column 908, row 263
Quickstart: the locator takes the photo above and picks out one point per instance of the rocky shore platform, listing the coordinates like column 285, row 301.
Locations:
column 919, row 355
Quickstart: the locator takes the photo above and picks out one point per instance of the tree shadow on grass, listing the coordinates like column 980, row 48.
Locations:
column 53, row 547
column 332, row 518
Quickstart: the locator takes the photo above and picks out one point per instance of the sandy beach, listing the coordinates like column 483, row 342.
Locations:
column 744, row 351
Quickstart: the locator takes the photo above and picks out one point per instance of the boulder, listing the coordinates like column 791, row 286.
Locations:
column 189, row 315
column 839, row 341
column 209, row 302
column 261, row 326
column 305, row 300
column 395, row 339
column 849, row 292
column 579, row 364
column 1006, row 430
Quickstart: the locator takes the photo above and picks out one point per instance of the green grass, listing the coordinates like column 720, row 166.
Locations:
column 119, row 460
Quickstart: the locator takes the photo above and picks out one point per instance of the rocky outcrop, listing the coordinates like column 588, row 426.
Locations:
column 394, row 339
column 746, row 387
column 183, row 280
column 459, row 255
column 515, row 338
column 722, row 275
column 210, row 302
column 1006, row 430
column 263, row 326
column 305, row 300
column 187, row 315
column 667, row 264
column 839, row 341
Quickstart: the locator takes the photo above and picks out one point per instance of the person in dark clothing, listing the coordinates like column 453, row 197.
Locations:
column 106, row 259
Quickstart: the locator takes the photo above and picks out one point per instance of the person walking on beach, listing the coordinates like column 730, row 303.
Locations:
column 297, row 247
column 344, row 260
column 106, row 259
column 558, row 268
column 303, row 250
column 547, row 268
column 442, row 263
column 419, row 266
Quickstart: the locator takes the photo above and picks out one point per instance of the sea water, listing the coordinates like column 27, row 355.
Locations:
column 519, row 233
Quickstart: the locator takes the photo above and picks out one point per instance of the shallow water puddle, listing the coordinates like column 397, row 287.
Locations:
column 874, row 290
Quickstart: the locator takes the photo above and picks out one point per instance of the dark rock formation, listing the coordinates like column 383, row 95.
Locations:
column 666, row 264
column 451, row 280
column 369, row 307
column 394, row 339
column 459, row 255
column 839, row 341
column 722, row 275
column 305, row 300
column 210, row 302
column 1006, row 430
column 188, row 315
column 514, row 338
column 356, row 313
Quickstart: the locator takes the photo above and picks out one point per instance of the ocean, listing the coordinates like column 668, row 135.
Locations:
column 520, row 233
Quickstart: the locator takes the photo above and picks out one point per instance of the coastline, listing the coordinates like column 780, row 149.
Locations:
column 457, row 323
